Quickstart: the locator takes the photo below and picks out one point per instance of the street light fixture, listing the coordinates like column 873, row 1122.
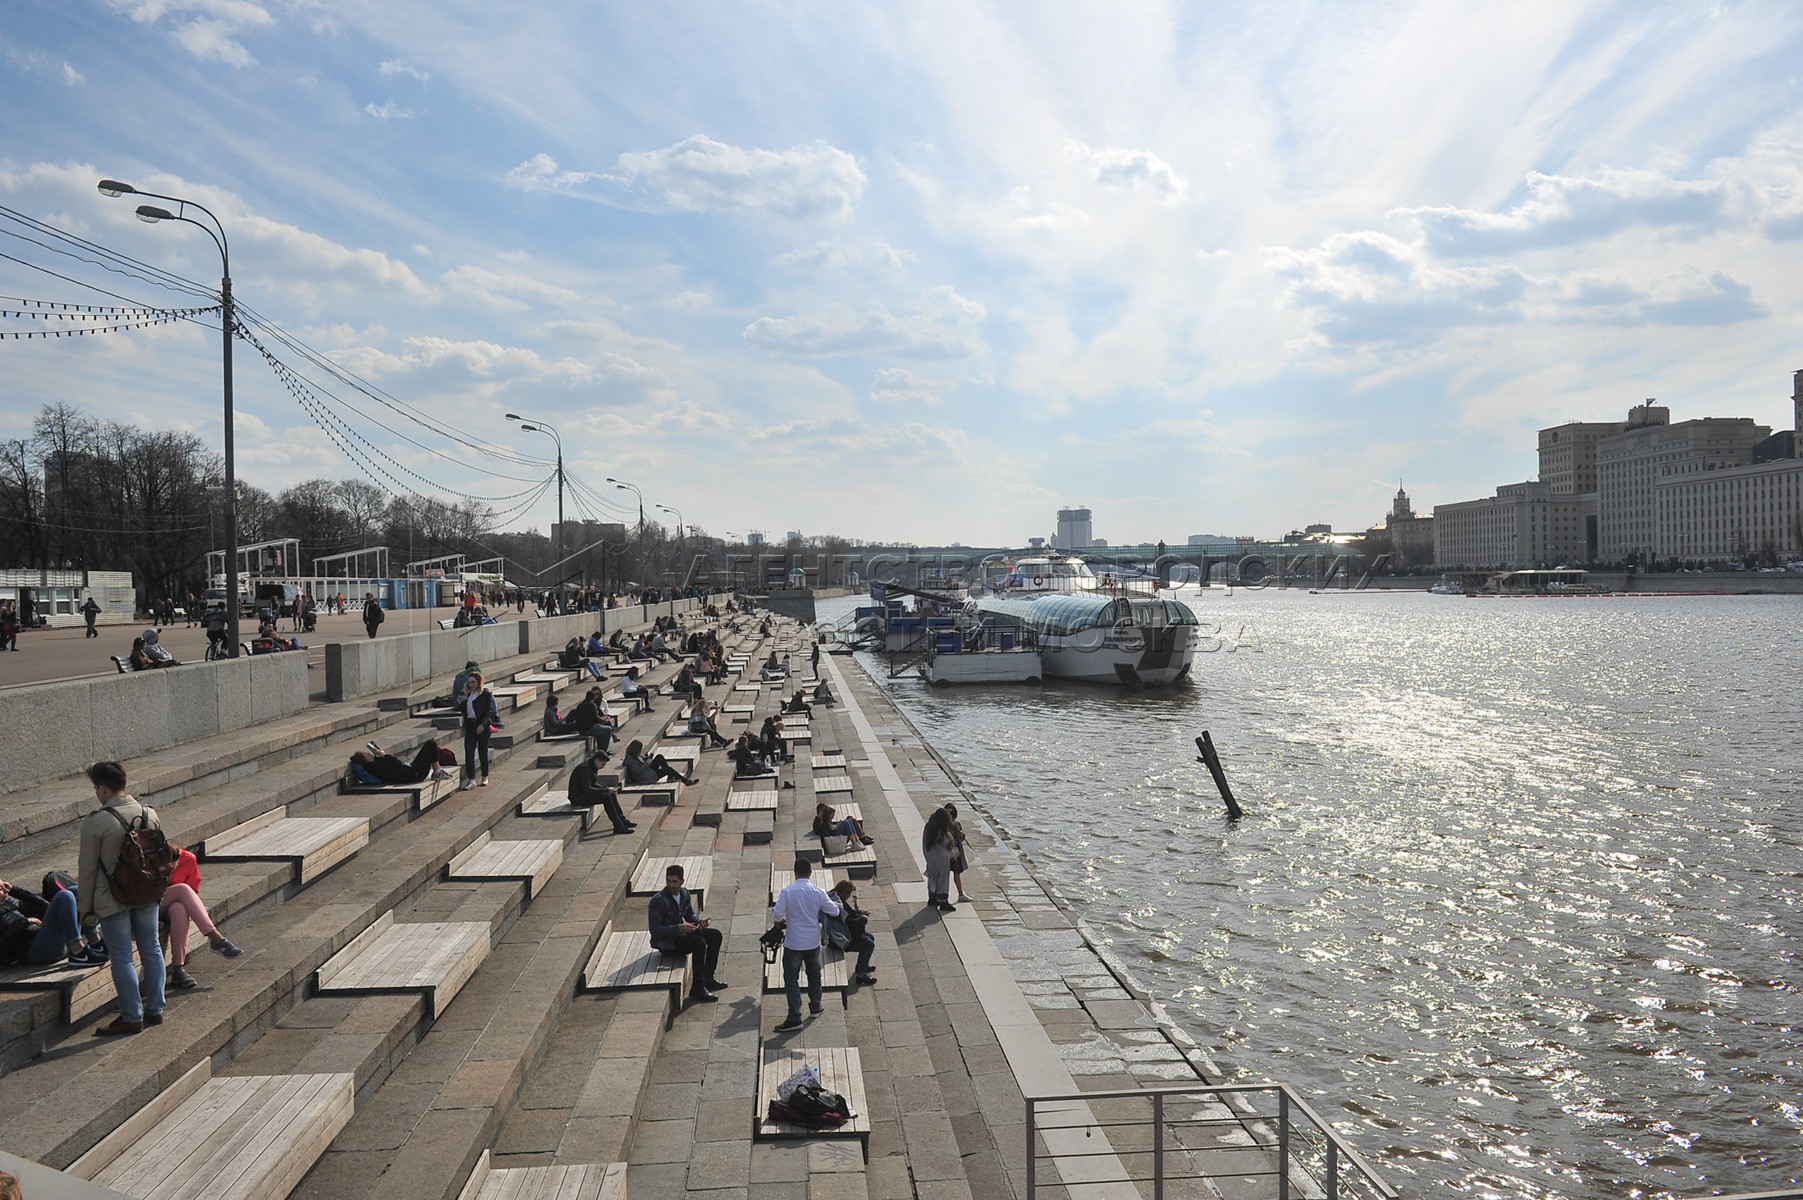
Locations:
column 546, row 427
column 681, row 540
column 634, row 489
column 151, row 214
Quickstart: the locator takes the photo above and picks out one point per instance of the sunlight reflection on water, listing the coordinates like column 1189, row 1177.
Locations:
column 1518, row 888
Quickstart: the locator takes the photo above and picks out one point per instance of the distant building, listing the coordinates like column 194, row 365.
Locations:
column 754, row 538
column 1213, row 541
column 1411, row 536
column 1652, row 450
column 1568, row 454
column 1523, row 525
column 577, row 534
column 1036, row 543
column 1074, row 532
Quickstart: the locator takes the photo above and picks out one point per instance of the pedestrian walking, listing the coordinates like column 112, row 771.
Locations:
column 91, row 610
column 373, row 616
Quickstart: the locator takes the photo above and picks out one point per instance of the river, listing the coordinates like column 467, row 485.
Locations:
column 1516, row 898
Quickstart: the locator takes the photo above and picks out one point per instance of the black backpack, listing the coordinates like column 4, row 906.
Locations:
column 146, row 862
column 811, row 1104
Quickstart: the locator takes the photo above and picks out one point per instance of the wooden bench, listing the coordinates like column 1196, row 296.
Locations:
column 739, row 710
column 841, row 1071
column 827, row 762
column 240, row 1137
column 575, row 1181
column 425, row 793
column 683, row 758
column 519, row 695
column 434, row 957
column 858, row 861
column 552, row 800
column 85, row 990
column 533, row 861
column 123, row 663
column 752, row 800
column 664, row 794
column 314, row 845
column 835, row 976
column 747, row 687
column 832, row 785
column 648, row 876
column 624, row 961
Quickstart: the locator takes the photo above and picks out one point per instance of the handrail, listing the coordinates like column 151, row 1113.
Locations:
column 1288, row 1134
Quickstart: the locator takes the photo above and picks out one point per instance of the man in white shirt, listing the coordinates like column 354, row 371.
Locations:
column 799, row 908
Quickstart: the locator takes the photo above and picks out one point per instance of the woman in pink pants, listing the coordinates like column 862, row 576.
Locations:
column 181, row 904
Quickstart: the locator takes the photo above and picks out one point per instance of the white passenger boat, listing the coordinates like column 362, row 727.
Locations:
column 1094, row 635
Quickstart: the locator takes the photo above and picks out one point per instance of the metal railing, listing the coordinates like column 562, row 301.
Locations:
column 1179, row 1141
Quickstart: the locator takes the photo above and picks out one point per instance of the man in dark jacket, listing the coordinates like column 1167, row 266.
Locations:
column 587, row 791
column 373, row 616
column 675, row 929
column 592, row 720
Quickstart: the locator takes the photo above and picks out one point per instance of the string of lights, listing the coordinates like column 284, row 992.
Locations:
column 119, row 327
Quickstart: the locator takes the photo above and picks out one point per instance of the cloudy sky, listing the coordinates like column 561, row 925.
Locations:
column 924, row 271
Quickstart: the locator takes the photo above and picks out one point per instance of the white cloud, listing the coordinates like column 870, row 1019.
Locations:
column 1561, row 210
column 898, row 385
column 501, row 289
column 1048, row 215
column 838, row 254
column 700, row 174
column 541, row 174
column 207, row 29
column 1129, row 170
column 395, row 66
column 942, row 329
column 72, row 77
column 388, row 110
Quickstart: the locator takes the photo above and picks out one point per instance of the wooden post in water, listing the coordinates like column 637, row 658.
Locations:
column 1209, row 758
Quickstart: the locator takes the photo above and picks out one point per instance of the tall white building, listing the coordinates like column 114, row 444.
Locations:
column 1523, row 525
column 1651, row 450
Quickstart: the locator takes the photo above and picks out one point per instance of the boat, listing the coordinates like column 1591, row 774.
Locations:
column 1092, row 635
column 1048, row 574
column 1553, row 581
column 1446, row 587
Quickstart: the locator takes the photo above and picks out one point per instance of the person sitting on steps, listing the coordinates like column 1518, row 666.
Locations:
column 675, row 929
column 798, row 704
column 701, row 723
column 826, row 824
column 592, row 720
column 631, row 689
column 182, row 904
column 857, row 928
column 640, row 770
column 587, row 791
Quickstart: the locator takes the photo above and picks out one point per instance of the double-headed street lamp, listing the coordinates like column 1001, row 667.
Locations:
column 151, row 214
column 634, row 489
column 680, row 540
column 545, row 427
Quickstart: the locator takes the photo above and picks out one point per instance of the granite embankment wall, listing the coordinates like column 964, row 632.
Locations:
column 57, row 729
column 392, row 663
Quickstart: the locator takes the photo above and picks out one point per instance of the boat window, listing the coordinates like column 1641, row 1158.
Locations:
column 1178, row 614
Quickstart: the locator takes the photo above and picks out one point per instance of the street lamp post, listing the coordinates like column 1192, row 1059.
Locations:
column 151, row 214
column 543, row 427
column 681, row 539
column 633, row 488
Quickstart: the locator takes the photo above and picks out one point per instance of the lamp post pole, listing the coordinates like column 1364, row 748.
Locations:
column 633, row 488
column 151, row 214
column 681, row 540
column 543, row 427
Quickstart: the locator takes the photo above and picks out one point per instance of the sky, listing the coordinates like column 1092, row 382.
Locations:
column 923, row 272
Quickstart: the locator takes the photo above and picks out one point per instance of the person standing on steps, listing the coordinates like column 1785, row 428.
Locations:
column 936, row 846
column 675, row 929
column 799, row 908
column 103, row 835
column 91, row 611
column 478, row 709
column 373, row 616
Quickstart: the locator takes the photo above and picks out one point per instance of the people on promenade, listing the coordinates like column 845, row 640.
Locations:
column 155, row 652
column 90, row 611
column 640, row 770
column 857, row 929
column 936, row 846
column 456, row 696
column 587, row 791
column 373, row 768
column 478, row 710
column 814, row 661
column 770, row 734
column 123, row 925
column 701, row 724
column 592, row 720
column 823, row 694
column 373, row 616
column 960, row 860
column 685, row 684
column 9, row 626
column 747, row 762
column 798, row 704
column 827, row 823
column 181, row 904
column 39, row 931
column 799, row 909
column 675, row 929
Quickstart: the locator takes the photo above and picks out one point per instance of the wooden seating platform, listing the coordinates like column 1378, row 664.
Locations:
column 781, row 878
column 624, row 961
column 832, row 785
column 827, row 762
column 519, row 695
column 677, row 729
column 533, row 861
column 761, row 800
column 553, row 801
column 425, row 794
column 841, row 1071
column 313, row 844
column 666, row 794
column 240, row 1137
column 434, row 957
column 683, row 758
column 575, row 1181
column 85, row 990
column 747, row 687
column 835, row 976
column 648, row 876
column 739, row 710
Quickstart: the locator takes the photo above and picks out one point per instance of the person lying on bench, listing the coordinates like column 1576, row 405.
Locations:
column 701, row 722
column 631, row 689
column 826, row 825
column 641, row 770
column 587, row 791
column 370, row 767
column 38, row 931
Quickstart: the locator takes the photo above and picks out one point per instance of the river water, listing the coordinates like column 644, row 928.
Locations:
column 1516, row 900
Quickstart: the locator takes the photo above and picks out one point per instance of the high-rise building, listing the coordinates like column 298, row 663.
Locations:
column 1074, row 531
column 1650, row 451
column 1568, row 454
column 1523, row 525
